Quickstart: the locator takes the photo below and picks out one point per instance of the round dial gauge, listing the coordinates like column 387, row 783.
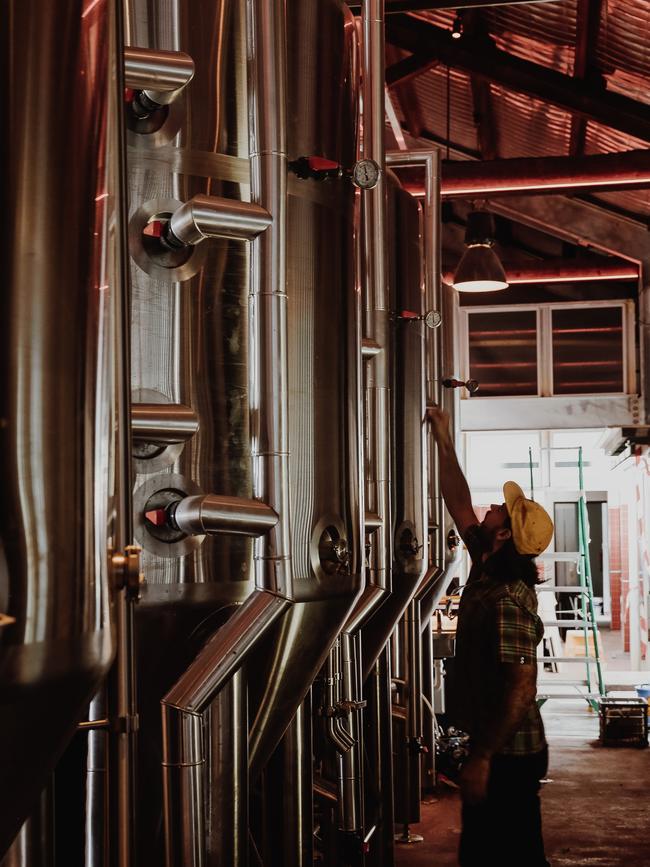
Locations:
column 365, row 174
column 433, row 319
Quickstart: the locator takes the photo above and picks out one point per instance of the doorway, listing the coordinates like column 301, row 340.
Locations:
column 566, row 540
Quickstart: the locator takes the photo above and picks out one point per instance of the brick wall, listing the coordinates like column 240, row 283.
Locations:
column 614, row 523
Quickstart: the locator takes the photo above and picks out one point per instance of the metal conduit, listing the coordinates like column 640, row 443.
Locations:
column 182, row 707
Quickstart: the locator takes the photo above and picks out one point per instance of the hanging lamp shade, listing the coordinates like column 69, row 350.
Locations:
column 479, row 269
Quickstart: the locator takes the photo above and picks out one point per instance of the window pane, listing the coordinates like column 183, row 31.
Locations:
column 503, row 352
column 588, row 350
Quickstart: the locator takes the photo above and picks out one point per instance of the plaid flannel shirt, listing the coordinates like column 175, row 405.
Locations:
column 506, row 614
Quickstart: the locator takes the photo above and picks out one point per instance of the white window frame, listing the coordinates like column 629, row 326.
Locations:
column 515, row 308
column 545, row 344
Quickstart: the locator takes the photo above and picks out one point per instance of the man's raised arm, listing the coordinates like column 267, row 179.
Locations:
column 455, row 490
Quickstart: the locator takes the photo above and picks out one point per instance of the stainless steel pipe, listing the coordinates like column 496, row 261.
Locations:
column 216, row 513
column 215, row 217
column 182, row 710
column 351, row 761
column 227, row 649
column 161, row 75
column 167, row 423
column 266, row 28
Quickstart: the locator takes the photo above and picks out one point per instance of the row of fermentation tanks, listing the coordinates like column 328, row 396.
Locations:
column 221, row 537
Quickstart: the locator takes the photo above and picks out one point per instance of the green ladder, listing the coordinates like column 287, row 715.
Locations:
column 594, row 683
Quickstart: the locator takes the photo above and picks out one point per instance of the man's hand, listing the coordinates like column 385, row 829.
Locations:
column 439, row 420
column 474, row 778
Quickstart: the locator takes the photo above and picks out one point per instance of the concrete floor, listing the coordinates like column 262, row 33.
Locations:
column 596, row 804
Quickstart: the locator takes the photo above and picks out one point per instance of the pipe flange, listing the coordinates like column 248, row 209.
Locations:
column 157, row 129
column 151, row 256
column 167, row 487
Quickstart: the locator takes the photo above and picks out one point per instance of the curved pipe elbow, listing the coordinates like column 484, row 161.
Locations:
column 160, row 75
column 218, row 514
column 214, row 217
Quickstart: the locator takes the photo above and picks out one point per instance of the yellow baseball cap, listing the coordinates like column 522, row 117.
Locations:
column 532, row 527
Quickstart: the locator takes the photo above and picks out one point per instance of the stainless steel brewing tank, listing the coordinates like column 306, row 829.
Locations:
column 59, row 288
column 323, row 359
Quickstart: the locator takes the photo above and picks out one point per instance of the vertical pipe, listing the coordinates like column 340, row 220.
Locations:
column 350, row 762
column 183, row 789
column 428, row 727
column 413, row 740
column 379, row 749
column 298, row 781
column 266, row 29
column 96, row 832
column 227, row 769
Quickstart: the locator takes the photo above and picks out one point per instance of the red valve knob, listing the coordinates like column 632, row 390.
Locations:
column 320, row 164
column 409, row 314
column 154, row 229
column 157, row 517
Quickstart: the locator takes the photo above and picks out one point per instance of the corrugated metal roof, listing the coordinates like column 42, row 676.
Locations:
column 546, row 34
column 518, row 121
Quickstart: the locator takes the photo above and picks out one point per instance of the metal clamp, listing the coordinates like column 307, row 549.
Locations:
column 126, row 571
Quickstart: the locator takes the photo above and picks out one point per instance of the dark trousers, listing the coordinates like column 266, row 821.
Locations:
column 506, row 828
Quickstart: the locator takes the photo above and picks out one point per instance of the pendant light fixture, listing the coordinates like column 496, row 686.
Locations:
column 479, row 269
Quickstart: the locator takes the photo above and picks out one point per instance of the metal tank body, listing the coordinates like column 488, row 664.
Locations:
column 60, row 325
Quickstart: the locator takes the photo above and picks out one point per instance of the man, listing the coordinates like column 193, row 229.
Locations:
column 494, row 684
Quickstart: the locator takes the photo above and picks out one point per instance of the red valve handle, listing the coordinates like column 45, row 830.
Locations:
column 154, row 229
column 409, row 314
column 320, row 164
column 157, row 517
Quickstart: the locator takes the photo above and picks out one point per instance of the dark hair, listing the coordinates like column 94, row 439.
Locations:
column 508, row 565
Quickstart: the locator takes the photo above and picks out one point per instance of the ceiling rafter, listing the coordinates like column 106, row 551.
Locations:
column 409, row 67
column 587, row 27
column 405, row 94
column 482, row 58
column 485, row 120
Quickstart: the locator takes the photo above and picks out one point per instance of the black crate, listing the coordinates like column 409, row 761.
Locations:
column 623, row 722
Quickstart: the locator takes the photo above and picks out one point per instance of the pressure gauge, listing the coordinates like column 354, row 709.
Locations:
column 365, row 174
column 433, row 319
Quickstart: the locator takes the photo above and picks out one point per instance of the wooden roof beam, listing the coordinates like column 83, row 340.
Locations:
column 587, row 27
column 480, row 57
